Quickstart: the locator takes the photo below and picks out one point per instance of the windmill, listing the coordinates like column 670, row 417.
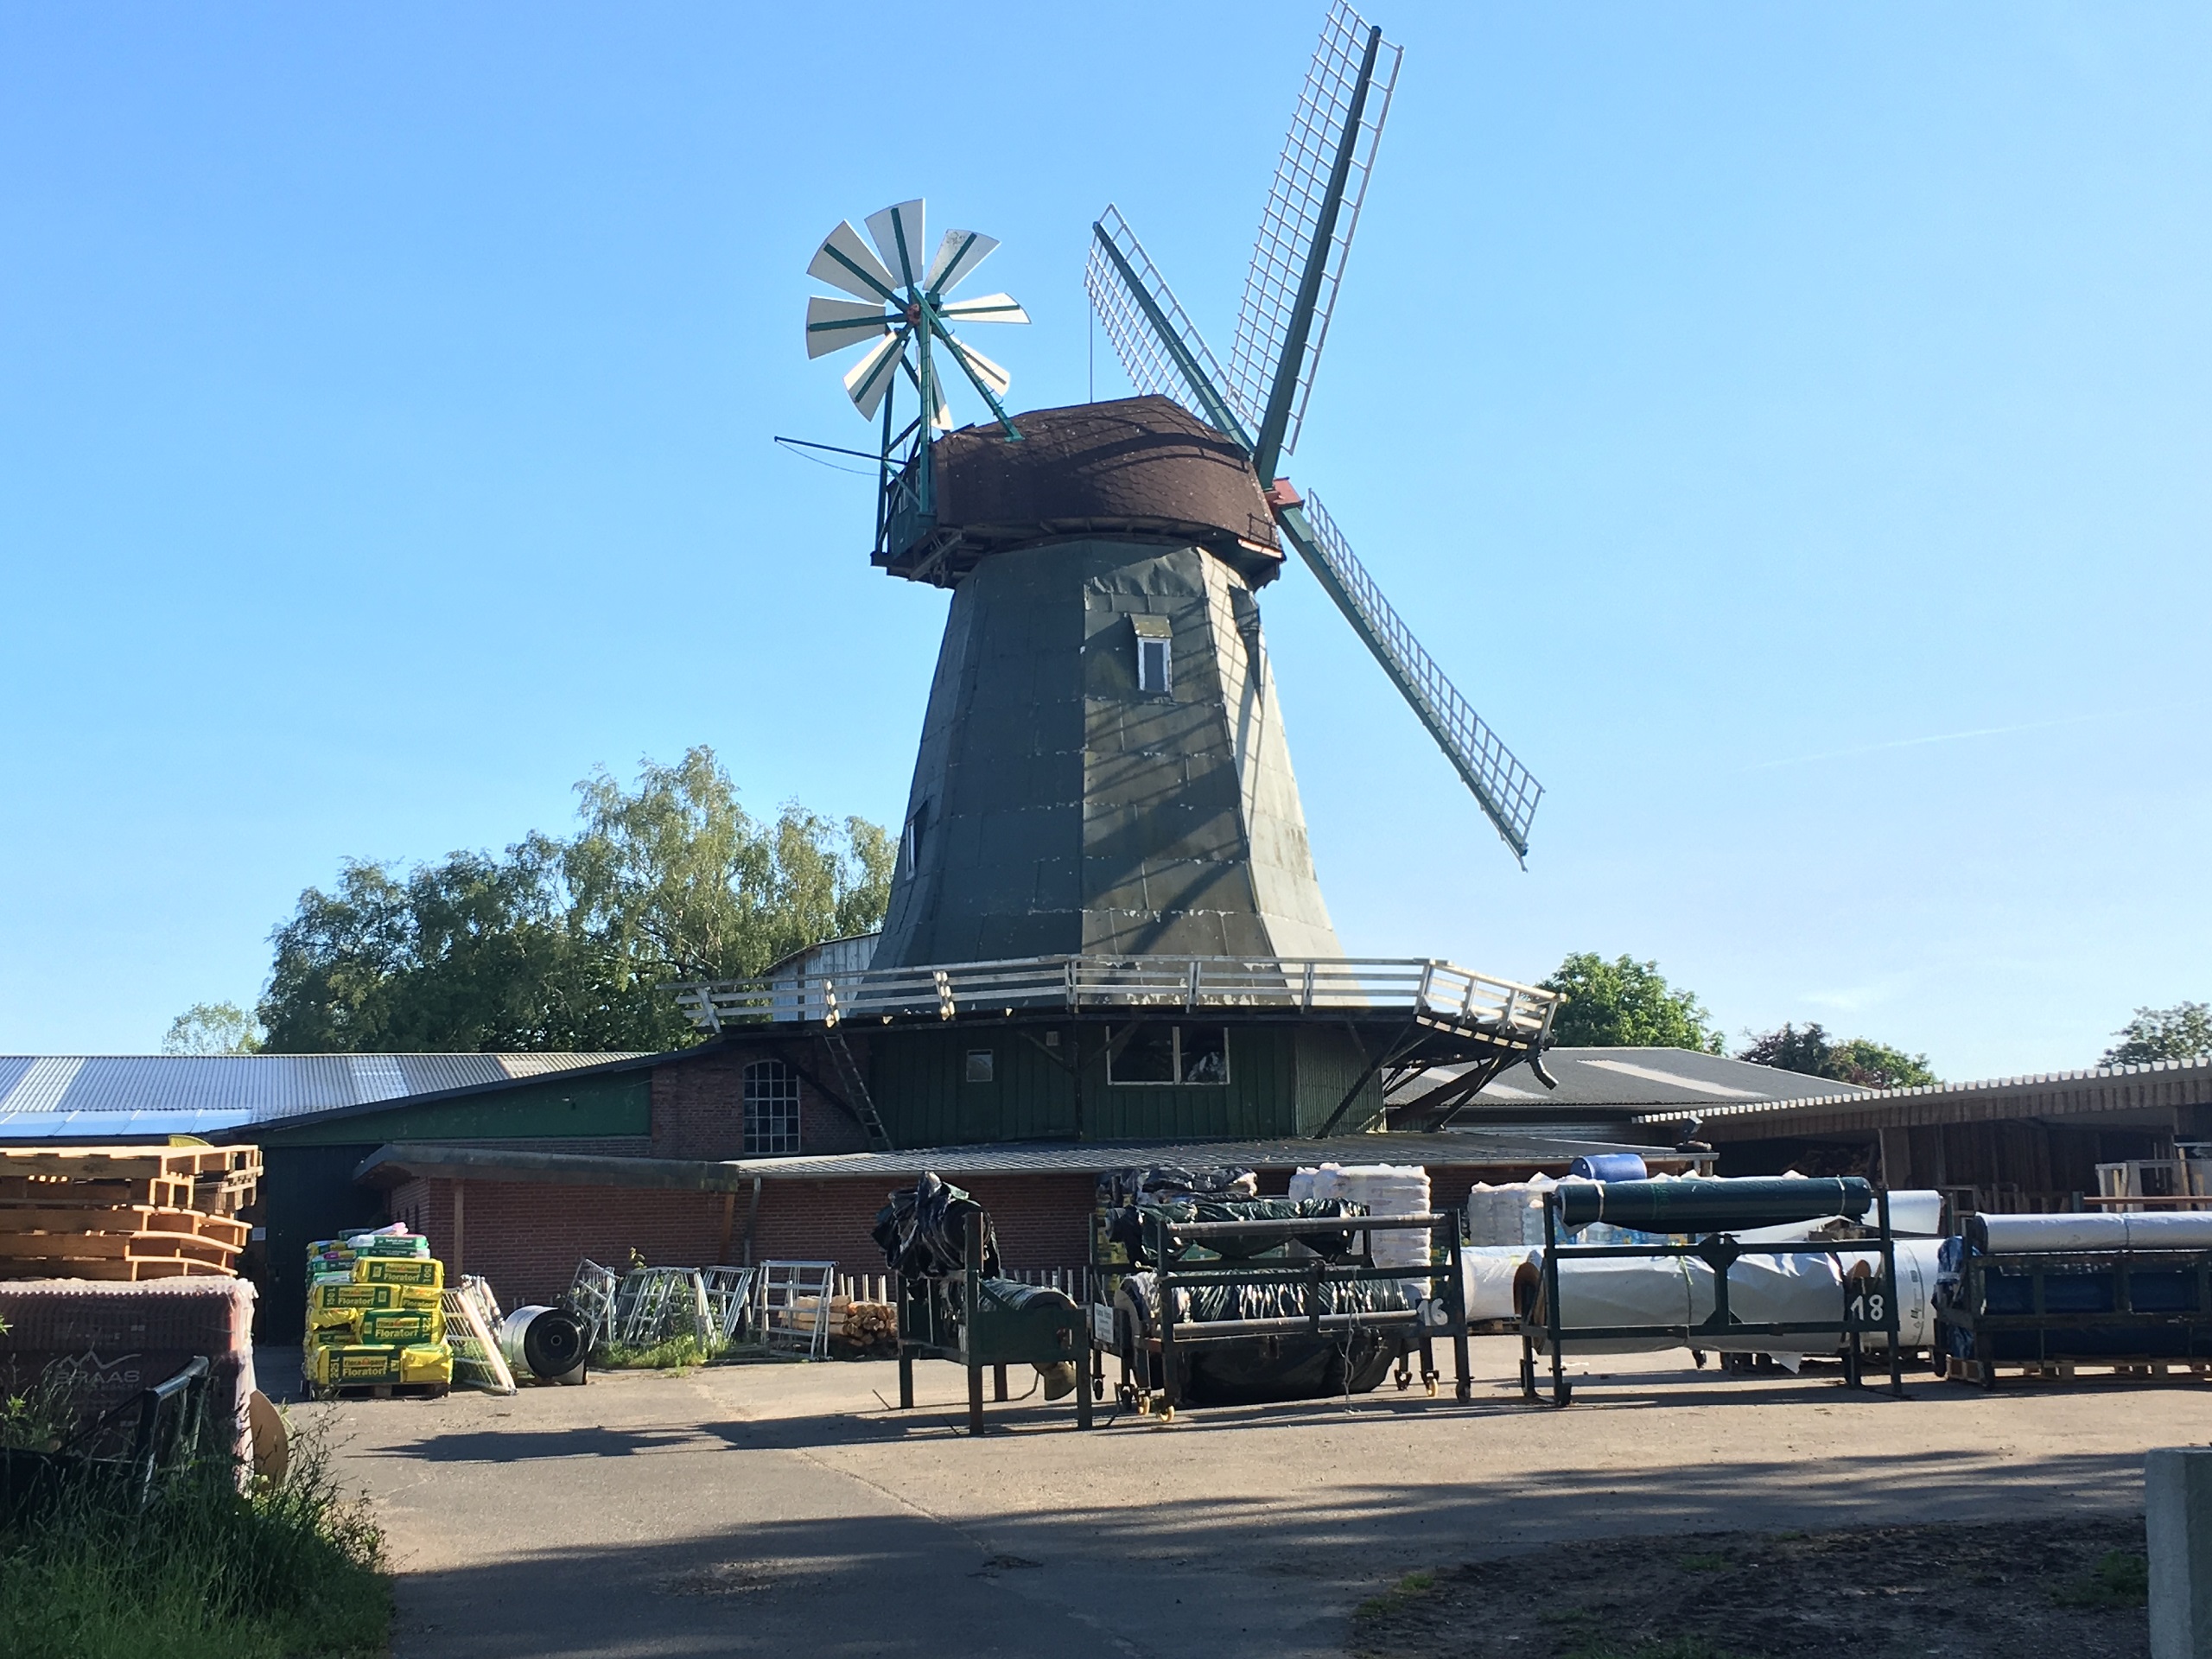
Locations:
column 1260, row 400
column 901, row 305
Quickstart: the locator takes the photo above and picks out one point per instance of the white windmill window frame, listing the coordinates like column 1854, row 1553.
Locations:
column 1155, row 655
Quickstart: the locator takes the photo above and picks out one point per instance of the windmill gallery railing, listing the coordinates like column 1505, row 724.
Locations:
column 1437, row 993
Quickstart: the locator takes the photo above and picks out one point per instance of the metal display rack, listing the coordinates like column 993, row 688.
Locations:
column 1866, row 1307
column 2166, row 1296
column 1172, row 1244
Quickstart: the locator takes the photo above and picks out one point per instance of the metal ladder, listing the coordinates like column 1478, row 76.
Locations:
column 848, row 1075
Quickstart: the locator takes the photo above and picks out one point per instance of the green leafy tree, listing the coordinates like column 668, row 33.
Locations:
column 2181, row 1032
column 1626, row 1004
column 472, row 953
column 212, row 1028
column 675, row 881
column 568, row 945
column 1808, row 1049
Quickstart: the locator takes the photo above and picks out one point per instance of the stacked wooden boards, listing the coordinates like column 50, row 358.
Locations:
column 123, row 1212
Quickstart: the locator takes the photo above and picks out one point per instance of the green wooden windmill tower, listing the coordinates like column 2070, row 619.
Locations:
column 1104, row 849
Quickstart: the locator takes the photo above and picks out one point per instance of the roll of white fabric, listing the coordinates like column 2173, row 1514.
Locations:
column 1778, row 1288
column 2170, row 1229
column 1486, row 1274
column 2070, row 1232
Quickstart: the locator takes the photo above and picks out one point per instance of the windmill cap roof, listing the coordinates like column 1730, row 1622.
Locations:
column 1143, row 467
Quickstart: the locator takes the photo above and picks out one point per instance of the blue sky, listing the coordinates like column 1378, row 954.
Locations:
column 1790, row 426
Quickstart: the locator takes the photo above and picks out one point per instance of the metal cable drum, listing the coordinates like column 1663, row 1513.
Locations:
column 1691, row 1206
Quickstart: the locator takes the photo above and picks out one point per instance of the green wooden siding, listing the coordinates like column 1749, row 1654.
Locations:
column 919, row 1080
column 619, row 1105
column 1329, row 1062
column 1283, row 1079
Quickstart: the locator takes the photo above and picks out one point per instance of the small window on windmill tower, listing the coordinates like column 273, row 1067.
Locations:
column 909, row 842
column 1155, row 671
column 983, row 1065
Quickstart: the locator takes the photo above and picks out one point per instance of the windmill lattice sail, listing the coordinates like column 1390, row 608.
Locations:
column 1505, row 788
column 1160, row 347
column 1336, row 129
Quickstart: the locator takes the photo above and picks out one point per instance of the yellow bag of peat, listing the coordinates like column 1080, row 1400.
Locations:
column 426, row 1271
column 402, row 1326
column 332, row 1365
column 430, row 1362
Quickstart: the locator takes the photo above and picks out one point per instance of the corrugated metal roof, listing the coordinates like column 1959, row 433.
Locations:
column 1628, row 1077
column 54, row 1095
column 2089, row 1086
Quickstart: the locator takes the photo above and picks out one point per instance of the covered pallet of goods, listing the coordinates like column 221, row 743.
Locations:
column 376, row 1316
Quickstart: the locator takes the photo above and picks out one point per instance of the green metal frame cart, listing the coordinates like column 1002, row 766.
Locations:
column 976, row 1321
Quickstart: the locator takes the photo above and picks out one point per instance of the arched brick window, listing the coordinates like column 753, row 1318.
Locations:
column 771, row 1109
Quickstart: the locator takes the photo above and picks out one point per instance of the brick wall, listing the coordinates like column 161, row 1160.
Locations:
column 526, row 1238
column 698, row 1107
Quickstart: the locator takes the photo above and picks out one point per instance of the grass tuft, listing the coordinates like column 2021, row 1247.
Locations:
column 1406, row 1589
column 676, row 1354
column 1704, row 1563
column 2120, row 1578
column 204, row 1571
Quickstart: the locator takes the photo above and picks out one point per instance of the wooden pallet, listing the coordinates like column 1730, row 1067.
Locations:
column 127, row 1213
column 380, row 1390
column 1956, row 1369
column 130, row 1163
column 131, row 1270
column 160, row 1192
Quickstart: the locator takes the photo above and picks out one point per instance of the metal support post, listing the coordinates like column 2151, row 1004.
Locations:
column 974, row 1283
column 1167, row 1378
column 1455, row 1292
column 1560, row 1391
column 1890, row 1306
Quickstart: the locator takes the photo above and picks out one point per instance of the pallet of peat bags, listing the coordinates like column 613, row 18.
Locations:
column 376, row 1317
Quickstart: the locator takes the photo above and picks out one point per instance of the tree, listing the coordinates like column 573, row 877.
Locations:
column 1858, row 1059
column 677, row 881
column 1626, row 1004
column 2181, row 1032
column 212, row 1028
column 568, row 945
column 473, row 953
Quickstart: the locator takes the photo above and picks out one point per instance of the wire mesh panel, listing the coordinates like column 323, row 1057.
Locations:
column 1293, row 214
column 729, row 1301
column 1505, row 788
column 591, row 1297
column 1122, row 282
column 791, row 1306
column 658, row 1305
column 472, row 1319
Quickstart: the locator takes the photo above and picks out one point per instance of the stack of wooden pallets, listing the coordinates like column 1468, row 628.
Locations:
column 123, row 1212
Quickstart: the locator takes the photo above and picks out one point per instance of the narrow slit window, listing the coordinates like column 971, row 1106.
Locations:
column 1155, row 646
column 1154, row 669
column 909, row 842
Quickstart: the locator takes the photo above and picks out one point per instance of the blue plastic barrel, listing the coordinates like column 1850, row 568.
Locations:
column 1610, row 1167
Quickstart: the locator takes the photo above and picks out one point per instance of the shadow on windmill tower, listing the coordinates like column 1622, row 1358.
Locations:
column 1105, row 922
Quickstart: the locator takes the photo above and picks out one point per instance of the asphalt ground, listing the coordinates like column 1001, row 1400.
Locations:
column 786, row 1508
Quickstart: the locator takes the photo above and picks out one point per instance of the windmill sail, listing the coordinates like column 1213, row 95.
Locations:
column 1160, row 347
column 1504, row 786
column 1306, row 230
